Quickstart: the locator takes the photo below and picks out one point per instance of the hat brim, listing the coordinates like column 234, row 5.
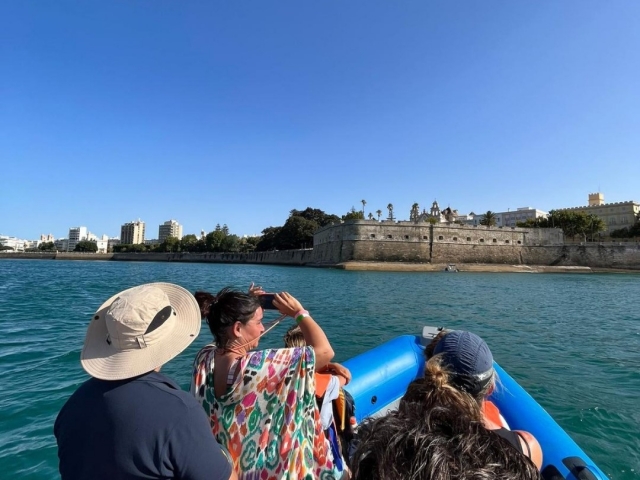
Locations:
column 101, row 360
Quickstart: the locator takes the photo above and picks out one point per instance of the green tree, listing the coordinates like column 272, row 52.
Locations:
column 353, row 214
column 248, row 244
column 86, row 246
column 297, row 232
column 47, row 246
column 390, row 208
column 315, row 215
column 214, row 240
column 589, row 225
column 230, row 243
column 488, row 219
column 188, row 243
column 170, row 244
column 364, row 202
column 370, row 216
column 379, row 213
column 269, row 239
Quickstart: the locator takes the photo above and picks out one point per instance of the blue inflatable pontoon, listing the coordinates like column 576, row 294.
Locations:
column 380, row 377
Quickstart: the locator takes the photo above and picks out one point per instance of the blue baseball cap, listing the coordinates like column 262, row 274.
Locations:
column 468, row 359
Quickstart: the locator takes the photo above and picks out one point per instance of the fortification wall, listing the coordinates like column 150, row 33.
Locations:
column 284, row 257
column 363, row 240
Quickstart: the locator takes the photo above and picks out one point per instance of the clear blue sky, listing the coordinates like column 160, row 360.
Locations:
column 238, row 111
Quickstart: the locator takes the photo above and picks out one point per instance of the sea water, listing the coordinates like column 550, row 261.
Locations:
column 573, row 341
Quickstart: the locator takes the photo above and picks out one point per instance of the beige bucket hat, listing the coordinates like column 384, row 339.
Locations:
column 140, row 329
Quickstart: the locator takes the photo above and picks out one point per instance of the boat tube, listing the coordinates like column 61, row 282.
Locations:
column 381, row 375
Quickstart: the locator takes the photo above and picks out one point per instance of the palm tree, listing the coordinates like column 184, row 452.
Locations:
column 370, row 216
column 488, row 219
column 390, row 208
column 379, row 212
column 364, row 202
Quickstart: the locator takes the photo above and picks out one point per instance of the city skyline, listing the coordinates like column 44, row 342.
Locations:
column 596, row 198
column 232, row 114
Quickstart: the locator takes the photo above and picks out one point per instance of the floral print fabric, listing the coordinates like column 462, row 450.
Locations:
column 268, row 420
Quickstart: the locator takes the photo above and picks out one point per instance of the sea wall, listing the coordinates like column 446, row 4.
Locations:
column 284, row 257
column 407, row 242
column 371, row 241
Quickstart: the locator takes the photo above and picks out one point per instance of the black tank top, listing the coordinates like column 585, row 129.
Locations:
column 514, row 439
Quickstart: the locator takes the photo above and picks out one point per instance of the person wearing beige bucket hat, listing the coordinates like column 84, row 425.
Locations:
column 130, row 421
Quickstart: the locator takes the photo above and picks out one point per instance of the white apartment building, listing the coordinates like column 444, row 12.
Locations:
column 170, row 228
column 132, row 233
column 76, row 235
column 17, row 244
column 510, row 218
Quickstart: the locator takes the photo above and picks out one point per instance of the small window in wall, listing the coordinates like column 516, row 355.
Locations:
column 373, row 235
column 519, row 242
column 506, row 241
column 455, row 239
column 495, row 241
column 425, row 237
column 389, row 236
column 468, row 239
column 406, row 237
column 481, row 240
column 440, row 237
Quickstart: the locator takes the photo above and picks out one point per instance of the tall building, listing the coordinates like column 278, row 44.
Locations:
column 76, row 234
column 615, row 215
column 132, row 233
column 170, row 228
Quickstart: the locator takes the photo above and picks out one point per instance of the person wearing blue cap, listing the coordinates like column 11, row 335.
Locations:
column 462, row 360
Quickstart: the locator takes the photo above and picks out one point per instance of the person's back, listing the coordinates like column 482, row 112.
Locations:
column 129, row 421
column 144, row 427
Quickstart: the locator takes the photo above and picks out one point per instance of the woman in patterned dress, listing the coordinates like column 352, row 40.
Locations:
column 261, row 403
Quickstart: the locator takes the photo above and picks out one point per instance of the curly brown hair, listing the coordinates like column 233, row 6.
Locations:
column 443, row 443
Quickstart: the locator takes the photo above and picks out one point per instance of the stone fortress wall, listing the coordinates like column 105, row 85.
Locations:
column 372, row 241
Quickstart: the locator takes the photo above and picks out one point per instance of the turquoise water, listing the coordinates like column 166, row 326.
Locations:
column 573, row 341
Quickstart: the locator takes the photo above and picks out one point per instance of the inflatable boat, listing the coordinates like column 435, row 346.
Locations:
column 381, row 375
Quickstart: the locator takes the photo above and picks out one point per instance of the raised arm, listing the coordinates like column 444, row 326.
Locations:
column 311, row 331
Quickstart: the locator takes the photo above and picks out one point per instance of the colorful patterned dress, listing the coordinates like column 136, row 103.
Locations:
column 268, row 420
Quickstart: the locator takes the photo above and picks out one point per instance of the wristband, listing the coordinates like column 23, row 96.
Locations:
column 301, row 315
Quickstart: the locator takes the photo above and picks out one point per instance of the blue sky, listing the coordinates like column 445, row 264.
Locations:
column 237, row 112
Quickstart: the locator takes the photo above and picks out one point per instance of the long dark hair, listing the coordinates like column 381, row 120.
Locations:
column 224, row 309
column 437, row 444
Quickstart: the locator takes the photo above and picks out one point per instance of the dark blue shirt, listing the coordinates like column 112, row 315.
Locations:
column 145, row 427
